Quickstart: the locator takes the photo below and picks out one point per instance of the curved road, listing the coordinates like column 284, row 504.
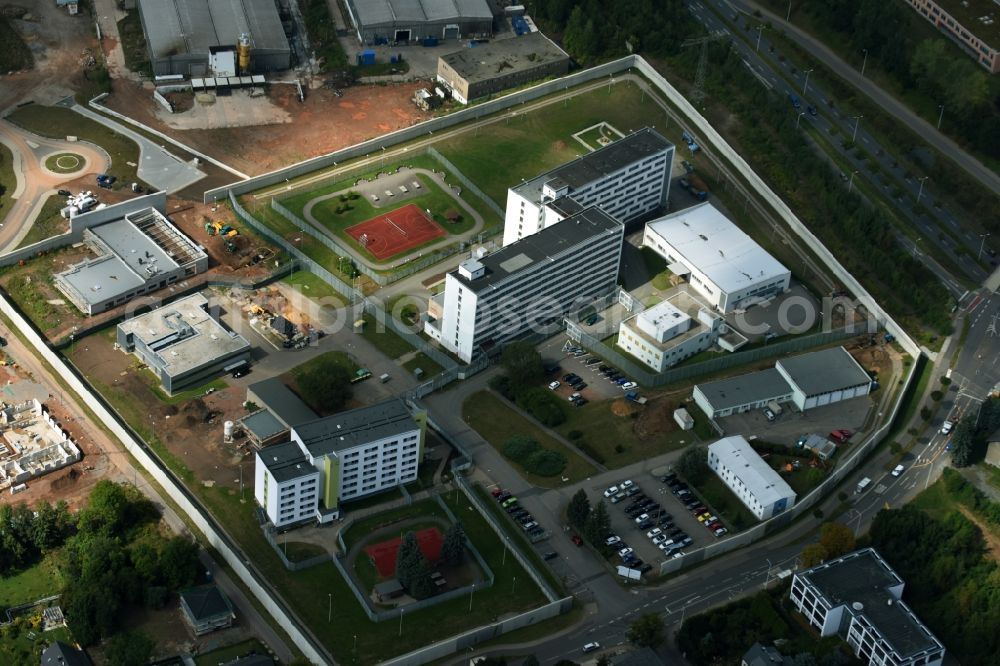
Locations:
column 890, row 104
column 34, row 182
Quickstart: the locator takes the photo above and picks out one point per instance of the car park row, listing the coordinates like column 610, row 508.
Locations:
column 519, row 514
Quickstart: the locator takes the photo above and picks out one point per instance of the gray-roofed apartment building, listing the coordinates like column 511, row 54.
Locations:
column 859, row 597
column 134, row 255
column 183, row 35
column 472, row 73
column 402, row 21
column 628, row 179
column 182, row 343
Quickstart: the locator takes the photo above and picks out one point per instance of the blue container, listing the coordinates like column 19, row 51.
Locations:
column 366, row 57
column 430, row 41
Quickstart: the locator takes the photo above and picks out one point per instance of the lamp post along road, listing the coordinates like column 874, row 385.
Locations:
column 857, row 121
column 864, row 63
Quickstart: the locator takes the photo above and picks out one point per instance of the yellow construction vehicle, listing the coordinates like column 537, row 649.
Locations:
column 231, row 233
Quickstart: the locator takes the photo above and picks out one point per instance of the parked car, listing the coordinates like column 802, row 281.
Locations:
column 592, row 646
column 592, row 361
column 628, row 386
column 625, row 552
column 653, row 532
column 618, row 497
column 657, row 540
column 641, row 517
column 841, row 435
column 536, row 532
column 897, row 470
column 646, row 568
column 580, row 402
column 613, row 490
column 667, row 478
column 634, row 490
column 719, row 532
column 527, row 526
column 768, row 414
column 551, row 555
column 65, row 193
column 577, row 540
column 627, row 483
column 579, row 386
column 646, row 524
column 612, row 540
column 554, row 385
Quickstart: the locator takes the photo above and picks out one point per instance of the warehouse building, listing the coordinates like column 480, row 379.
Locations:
column 472, row 73
column 627, row 179
column 529, row 285
column 673, row 330
column 760, row 488
column 339, row 458
column 860, row 598
column 183, row 344
column 807, row 381
column 403, row 21
column 134, row 255
column 197, row 38
column 724, row 264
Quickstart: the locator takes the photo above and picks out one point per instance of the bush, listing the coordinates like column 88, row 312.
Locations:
column 895, row 448
column 544, row 462
column 925, row 413
column 543, row 405
column 501, row 384
column 520, row 448
column 936, row 395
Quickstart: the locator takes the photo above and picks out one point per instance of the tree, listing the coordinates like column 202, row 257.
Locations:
column 813, row 554
column 693, row 464
column 519, row 448
column 409, row 560
column 598, row 524
column 647, row 631
column 179, row 564
column 523, row 365
column 837, row 539
column 325, row 384
column 453, row 545
column 578, row 510
column 129, row 648
column 963, row 442
column 421, row 586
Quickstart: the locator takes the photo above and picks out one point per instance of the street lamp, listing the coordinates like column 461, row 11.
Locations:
column 850, row 185
column 788, row 16
column 798, row 119
column 864, row 62
column 401, row 610
column 760, row 30
column 805, row 86
column 981, row 246
column 767, row 576
column 857, row 121
column 329, row 612
column 940, row 115
column 920, row 192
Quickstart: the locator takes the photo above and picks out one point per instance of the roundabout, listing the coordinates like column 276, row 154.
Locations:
column 65, row 163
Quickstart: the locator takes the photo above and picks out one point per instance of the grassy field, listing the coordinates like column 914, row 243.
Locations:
column 21, row 646
column 604, row 431
column 360, row 530
column 8, row 181
column 425, row 363
column 14, row 53
column 226, row 654
column 296, row 551
column 38, row 582
column 528, row 144
column 311, row 286
column 64, row 163
column 383, row 339
column 59, row 122
column 48, row 223
column 496, row 422
column 724, row 503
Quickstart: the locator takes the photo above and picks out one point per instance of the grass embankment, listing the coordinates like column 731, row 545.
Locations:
column 57, row 122
column 49, row 222
column 497, row 422
column 14, row 53
column 8, row 180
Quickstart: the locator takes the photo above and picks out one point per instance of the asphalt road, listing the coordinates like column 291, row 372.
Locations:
column 936, row 224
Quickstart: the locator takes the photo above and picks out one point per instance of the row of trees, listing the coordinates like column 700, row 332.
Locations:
column 533, row 457
column 27, row 534
column 835, row 539
column 594, row 523
column 971, row 435
column 413, row 570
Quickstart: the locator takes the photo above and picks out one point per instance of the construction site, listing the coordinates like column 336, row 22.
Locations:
column 33, row 444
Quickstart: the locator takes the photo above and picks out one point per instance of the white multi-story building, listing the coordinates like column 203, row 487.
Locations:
column 529, row 285
column 721, row 262
column 628, row 178
column 859, row 597
column 673, row 330
column 338, row 458
column 759, row 487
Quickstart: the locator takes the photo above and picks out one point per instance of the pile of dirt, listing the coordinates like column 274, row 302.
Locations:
column 656, row 418
column 64, row 481
column 624, row 408
column 194, row 412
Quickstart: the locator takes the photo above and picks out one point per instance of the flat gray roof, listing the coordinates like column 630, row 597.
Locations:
column 824, row 371
column 285, row 461
column 355, row 427
column 596, row 165
column 263, row 424
column 864, row 577
column 744, row 389
column 541, row 246
column 176, row 27
column 183, row 335
column 282, row 401
column 503, row 56
column 402, row 12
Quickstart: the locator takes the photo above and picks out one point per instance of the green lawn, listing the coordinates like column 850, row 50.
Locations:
column 724, row 503
column 48, row 223
column 425, row 363
column 531, row 143
column 801, row 480
column 603, row 431
column 371, row 500
column 64, row 163
column 59, row 122
column 223, row 655
column 212, row 386
column 8, row 181
column 340, row 357
column 360, row 530
column 496, row 422
column 38, row 582
column 14, row 53
column 297, row 551
column 384, row 339
column 310, row 285
column 21, row 646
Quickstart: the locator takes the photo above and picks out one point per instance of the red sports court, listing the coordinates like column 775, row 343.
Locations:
column 383, row 554
column 395, row 232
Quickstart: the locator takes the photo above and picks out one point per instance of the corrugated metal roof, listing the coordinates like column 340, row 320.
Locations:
column 175, row 27
column 376, row 12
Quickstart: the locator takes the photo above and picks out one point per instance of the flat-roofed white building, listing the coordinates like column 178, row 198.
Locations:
column 528, row 285
column 760, row 488
column 860, row 598
column 722, row 263
column 628, row 178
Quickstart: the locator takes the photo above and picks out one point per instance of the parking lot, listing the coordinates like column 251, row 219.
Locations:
column 599, row 387
column 791, row 424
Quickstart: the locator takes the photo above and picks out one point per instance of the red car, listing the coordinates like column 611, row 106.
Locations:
column 841, row 436
column 496, row 492
column 577, row 540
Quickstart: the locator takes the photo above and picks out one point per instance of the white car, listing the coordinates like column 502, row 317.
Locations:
column 613, row 490
column 657, row 540
column 590, row 647
column 898, row 470
column 946, row 427
column 628, row 386
column 653, row 532
column 641, row 517
column 612, row 540
column 625, row 552
column 554, row 385
column 573, row 397
column 626, row 484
